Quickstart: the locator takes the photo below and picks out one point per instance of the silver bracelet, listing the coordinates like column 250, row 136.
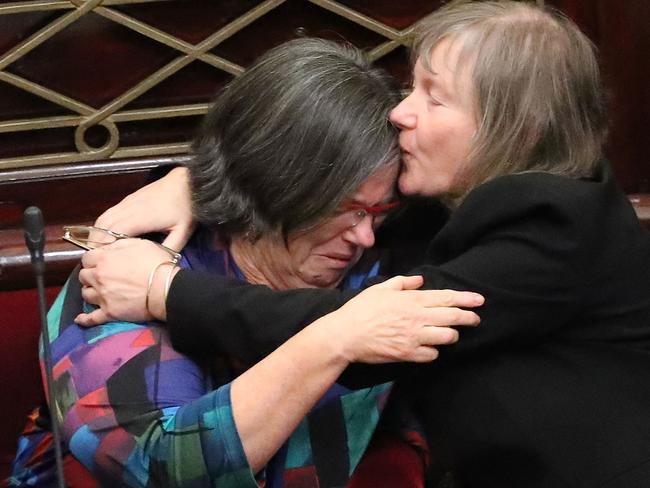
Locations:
column 150, row 282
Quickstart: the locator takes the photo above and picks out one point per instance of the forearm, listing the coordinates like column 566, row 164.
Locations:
column 258, row 319
column 271, row 398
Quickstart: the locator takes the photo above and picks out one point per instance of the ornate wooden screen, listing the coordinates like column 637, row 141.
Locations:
column 94, row 93
column 87, row 80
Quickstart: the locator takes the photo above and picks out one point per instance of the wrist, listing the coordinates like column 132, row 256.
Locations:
column 161, row 278
column 332, row 340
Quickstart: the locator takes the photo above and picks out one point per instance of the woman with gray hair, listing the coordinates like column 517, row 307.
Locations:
column 506, row 122
column 293, row 169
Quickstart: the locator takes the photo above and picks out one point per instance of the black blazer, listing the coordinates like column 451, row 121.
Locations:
column 553, row 388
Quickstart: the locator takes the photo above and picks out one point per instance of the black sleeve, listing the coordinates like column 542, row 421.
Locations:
column 258, row 319
column 516, row 240
column 522, row 242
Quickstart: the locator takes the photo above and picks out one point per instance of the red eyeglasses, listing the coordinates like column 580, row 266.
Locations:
column 352, row 214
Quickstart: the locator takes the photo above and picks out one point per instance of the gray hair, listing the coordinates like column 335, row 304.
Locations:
column 535, row 83
column 287, row 140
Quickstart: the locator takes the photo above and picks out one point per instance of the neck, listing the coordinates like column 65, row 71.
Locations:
column 265, row 262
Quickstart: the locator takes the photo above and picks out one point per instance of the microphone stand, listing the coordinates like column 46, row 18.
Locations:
column 35, row 240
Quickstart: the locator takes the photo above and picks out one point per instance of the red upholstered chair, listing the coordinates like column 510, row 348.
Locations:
column 20, row 379
column 391, row 462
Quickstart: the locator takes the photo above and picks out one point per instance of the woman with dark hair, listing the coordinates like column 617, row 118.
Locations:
column 135, row 412
column 506, row 122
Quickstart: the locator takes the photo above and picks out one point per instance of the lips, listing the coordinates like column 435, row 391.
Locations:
column 406, row 154
column 339, row 260
column 339, row 257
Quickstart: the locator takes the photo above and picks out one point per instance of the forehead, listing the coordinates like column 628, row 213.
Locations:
column 441, row 58
column 448, row 65
column 377, row 187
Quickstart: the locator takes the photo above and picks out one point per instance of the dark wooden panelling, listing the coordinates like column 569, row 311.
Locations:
column 293, row 19
column 178, row 129
column 191, row 21
column 28, row 143
column 396, row 14
column 94, row 60
column 76, row 194
column 398, row 64
column 621, row 31
column 196, row 83
column 16, row 28
column 67, row 199
column 19, row 104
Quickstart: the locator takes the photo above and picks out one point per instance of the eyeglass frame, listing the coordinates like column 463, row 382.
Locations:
column 362, row 211
column 175, row 256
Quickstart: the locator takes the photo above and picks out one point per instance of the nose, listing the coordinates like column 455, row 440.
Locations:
column 362, row 234
column 402, row 116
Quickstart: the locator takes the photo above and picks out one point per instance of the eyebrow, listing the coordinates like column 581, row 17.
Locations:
column 389, row 199
column 378, row 208
column 428, row 79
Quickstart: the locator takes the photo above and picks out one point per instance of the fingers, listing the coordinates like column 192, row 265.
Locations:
column 448, row 316
column 448, row 298
column 402, row 283
column 437, row 336
column 128, row 216
column 90, row 295
column 96, row 317
column 89, row 259
column 105, row 220
column 178, row 237
column 424, row 354
column 87, row 277
column 116, row 218
column 432, row 298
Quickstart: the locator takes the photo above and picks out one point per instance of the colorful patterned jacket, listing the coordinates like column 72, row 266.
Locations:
column 137, row 413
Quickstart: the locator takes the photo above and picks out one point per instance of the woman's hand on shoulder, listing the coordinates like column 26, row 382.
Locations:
column 393, row 321
column 162, row 206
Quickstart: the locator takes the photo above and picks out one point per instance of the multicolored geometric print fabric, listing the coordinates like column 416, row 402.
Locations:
column 137, row 413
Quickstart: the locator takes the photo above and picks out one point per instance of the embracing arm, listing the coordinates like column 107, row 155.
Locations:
column 162, row 206
column 240, row 320
column 521, row 241
column 290, row 380
column 176, row 434
column 259, row 319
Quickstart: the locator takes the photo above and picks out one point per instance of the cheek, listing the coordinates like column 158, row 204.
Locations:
column 303, row 248
column 465, row 135
column 414, row 179
column 403, row 183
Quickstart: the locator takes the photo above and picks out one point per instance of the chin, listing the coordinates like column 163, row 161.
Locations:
column 428, row 188
column 407, row 186
column 324, row 280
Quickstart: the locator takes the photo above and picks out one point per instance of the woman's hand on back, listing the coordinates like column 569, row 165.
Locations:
column 162, row 206
column 115, row 278
column 393, row 321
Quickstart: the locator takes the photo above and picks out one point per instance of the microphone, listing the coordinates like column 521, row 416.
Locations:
column 34, row 228
column 35, row 237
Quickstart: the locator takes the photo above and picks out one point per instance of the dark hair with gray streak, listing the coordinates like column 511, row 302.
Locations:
column 287, row 140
